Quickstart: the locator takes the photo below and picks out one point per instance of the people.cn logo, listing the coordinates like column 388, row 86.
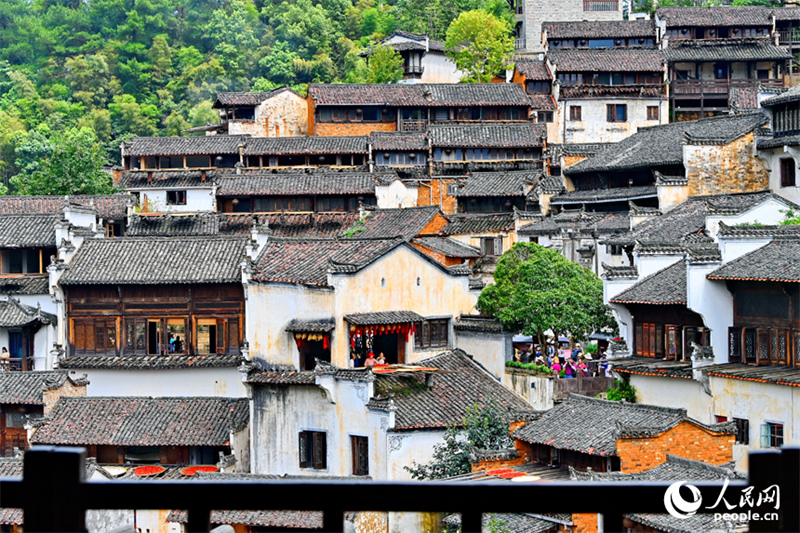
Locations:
column 677, row 506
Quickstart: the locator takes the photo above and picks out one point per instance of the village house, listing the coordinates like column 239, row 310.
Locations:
column 781, row 150
column 345, row 298
column 27, row 397
column 366, row 422
column 174, row 431
column 536, row 78
column 713, row 50
column 424, row 60
column 360, row 109
column 530, row 15
column 278, row 113
column 137, row 312
column 492, row 234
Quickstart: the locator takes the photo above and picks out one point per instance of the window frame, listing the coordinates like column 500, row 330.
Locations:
column 612, row 113
column 742, row 431
column 359, row 448
column 575, row 113
column 544, row 117
column 652, row 112
column 313, row 450
column 788, row 172
column 772, row 434
column 432, row 333
column 176, row 197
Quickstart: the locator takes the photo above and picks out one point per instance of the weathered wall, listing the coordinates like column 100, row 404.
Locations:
column 283, row 115
column 674, row 392
column 434, row 192
column 490, row 350
column 51, row 396
column 537, row 390
column 671, row 195
column 269, row 309
column 225, row 382
column 684, row 440
column 197, row 200
column 594, row 126
column 437, row 68
column 773, row 158
column 728, row 168
column 538, row 11
column 395, row 195
column 390, row 284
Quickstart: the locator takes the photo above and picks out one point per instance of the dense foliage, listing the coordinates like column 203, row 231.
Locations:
column 537, row 289
column 480, row 45
column 484, row 428
column 651, row 5
column 622, row 390
column 152, row 67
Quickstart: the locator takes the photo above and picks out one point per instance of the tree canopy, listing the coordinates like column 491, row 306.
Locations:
column 537, row 289
column 480, row 45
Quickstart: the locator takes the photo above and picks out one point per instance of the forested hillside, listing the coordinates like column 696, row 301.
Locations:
column 84, row 74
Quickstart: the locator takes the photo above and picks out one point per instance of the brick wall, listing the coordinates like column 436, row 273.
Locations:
column 436, row 224
column 330, row 129
column 585, row 522
column 436, row 194
column 729, row 168
column 684, row 440
column 491, row 464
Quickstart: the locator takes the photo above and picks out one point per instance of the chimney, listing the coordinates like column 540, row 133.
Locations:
column 429, row 382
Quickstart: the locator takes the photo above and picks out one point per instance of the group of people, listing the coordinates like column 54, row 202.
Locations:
column 572, row 362
column 371, row 360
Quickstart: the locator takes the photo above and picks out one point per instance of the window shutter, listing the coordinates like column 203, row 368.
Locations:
column 735, row 345
column 498, row 246
column 303, row 437
column 319, row 449
column 610, row 113
column 220, row 336
column 765, row 435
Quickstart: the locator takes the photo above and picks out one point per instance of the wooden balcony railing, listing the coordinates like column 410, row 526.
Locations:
column 719, row 88
column 414, row 69
column 786, row 37
column 413, row 124
column 54, row 495
column 600, row 5
column 520, row 44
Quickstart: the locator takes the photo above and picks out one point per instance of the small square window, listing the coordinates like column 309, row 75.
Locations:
column 313, row 450
column 771, row 435
column 575, row 112
column 544, row 117
column 652, row 112
column 617, row 113
column 176, row 197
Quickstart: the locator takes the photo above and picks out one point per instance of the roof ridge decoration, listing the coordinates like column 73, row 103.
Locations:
column 620, row 272
column 658, row 248
column 663, row 180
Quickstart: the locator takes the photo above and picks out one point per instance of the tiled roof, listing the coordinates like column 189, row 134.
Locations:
column 588, row 425
column 790, row 95
column 464, row 224
column 107, row 205
column 386, row 223
column 715, row 16
column 154, row 260
column 514, row 135
column 312, row 145
column 665, row 287
column 246, row 99
column 786, row 13
column 311, row 326
column 756, row 231
column 397, row 140
column 270, row 519
column 496, row 183
column 203, row 145
column 315, row 184
column 14, row 314
column 534, row 70
column 447, row 400
column 776, row 261
column 606, row 91
column 659, row 146
column 518, row 523
column 165, row 179
column 129, row 421
column 725, row 50
column 618, row 272
column 28, row 284
column 650, row 366
column 543, row 102
column 26, row 388
column 307, row 262
column 419, row 95
column 448, row 247
column 606, row 29
column 778, row 374
column 150, row 362
column 28, row 231
column 688, row 218
column 11, row 467
column 437, row 46
column 173, row 226
column 479, row 324
column 383, row 317
column 610, row 60
column 615, row 194
column 743, row 99
column 282, row 377
column 310, row 226
column 779, row 142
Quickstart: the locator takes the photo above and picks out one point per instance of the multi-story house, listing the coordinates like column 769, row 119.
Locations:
column 531, row 14
column 713, row 50
column 782, row 148
column 424, row 60
column 277, row 113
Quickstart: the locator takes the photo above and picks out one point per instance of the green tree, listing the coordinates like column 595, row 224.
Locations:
column 485, row 427
column 73, row 166
column 537, row 289
column 480, row 45
column 385, row 65
column 277, row 66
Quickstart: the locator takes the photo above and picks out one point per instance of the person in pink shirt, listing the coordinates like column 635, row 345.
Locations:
column 556, row 368
column 371, row 361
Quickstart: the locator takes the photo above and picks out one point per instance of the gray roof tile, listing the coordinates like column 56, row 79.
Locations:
column 314, row 184
column 605, row 195
column 776, row 261
column 665, row 287
column 725, row 50
column 419, row 95
column 448, row 247
column 496, row 183
column 715, row 16
column 156, row 260
column 173, row 226
column 387, row 223
column 28, row 231
column 511, row 135
column 534, row 70
column 30, row 284
column 14, row 314
column 610, row 60
column 128, row 421
column 203, row 145
column 605, row 29
column 107, row 205
column 398, row 140
column 27, row 388
column 383, row 317
column 465, row 224
column 312, row 145
column 271, row 519
column 155, row 362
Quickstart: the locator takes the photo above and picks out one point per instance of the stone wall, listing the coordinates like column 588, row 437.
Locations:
column 434, row 192
column 51, row 396
column 725, row 169
column 538, row 11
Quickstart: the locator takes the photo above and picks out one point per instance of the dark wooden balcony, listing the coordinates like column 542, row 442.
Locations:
column 717, row 88
column 413, row 124
column 789, row 36
column 413, row 70
column 54, row 495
